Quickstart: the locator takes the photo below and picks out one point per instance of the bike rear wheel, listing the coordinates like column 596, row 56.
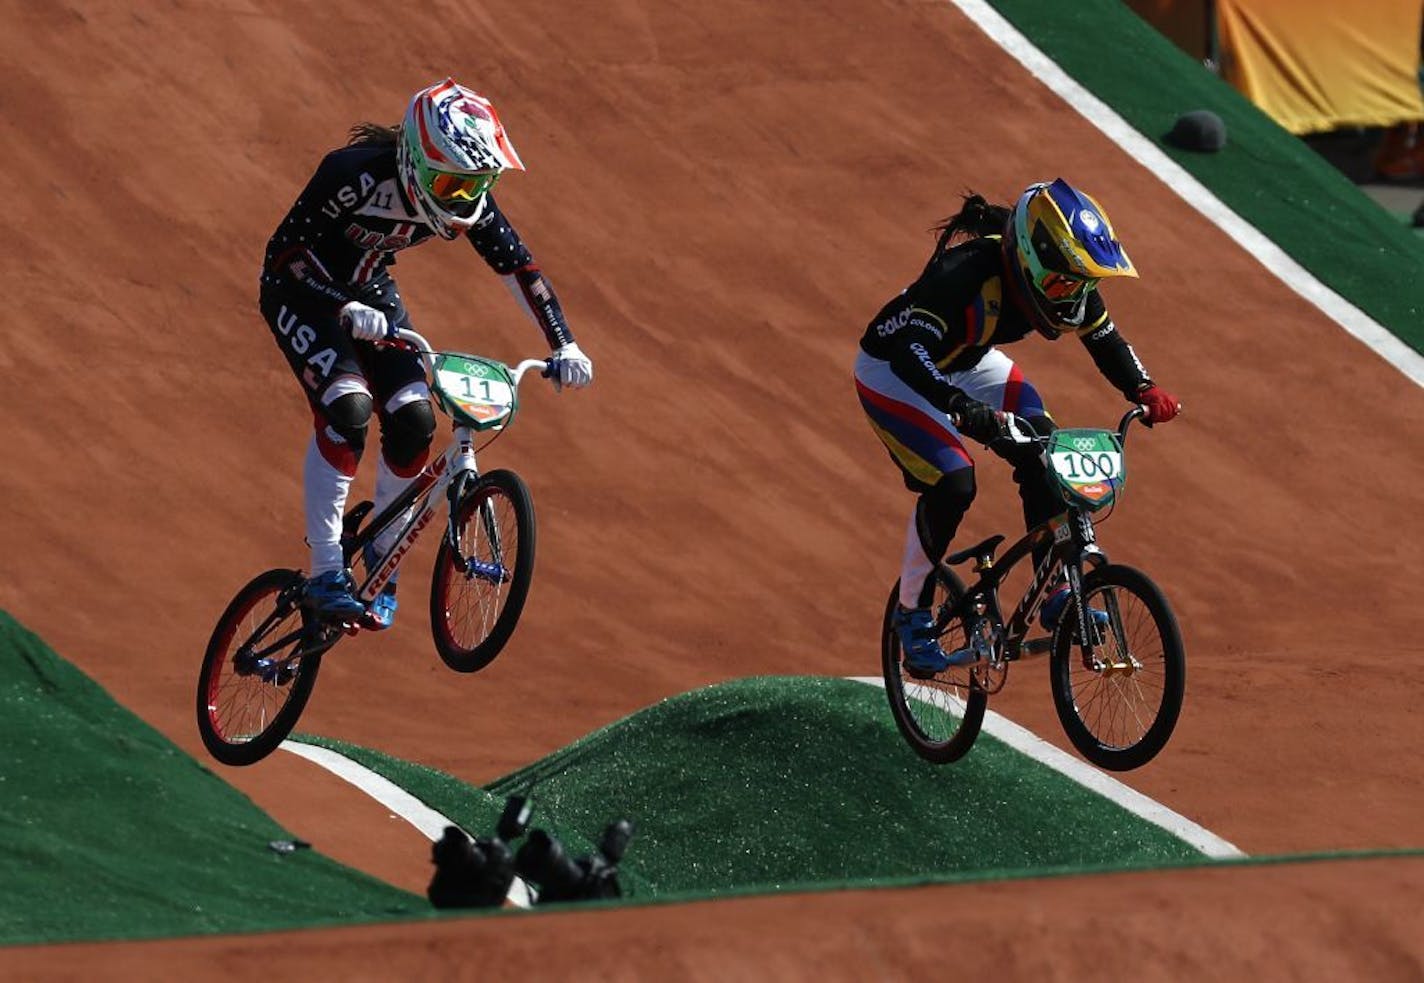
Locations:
column 939, row 717
column 259, row 669
column 1120, row 706
column 476, row 600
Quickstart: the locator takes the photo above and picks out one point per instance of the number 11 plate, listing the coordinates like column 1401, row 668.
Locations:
column 478, row 392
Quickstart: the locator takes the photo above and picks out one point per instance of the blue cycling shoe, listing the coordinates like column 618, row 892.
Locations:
column 923, row 656
column 333, row 595
column 1052, row 611
column 382, row 611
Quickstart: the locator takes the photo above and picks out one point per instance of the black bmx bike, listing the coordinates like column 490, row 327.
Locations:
column 266, row 650
column 1117, row 667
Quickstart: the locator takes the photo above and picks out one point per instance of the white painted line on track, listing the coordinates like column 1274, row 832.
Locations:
column 1026, row 742
column 1194, row 193
column 430, row 823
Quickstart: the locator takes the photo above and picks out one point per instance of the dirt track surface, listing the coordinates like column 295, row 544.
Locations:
column 721, row 195
column 1242, row 924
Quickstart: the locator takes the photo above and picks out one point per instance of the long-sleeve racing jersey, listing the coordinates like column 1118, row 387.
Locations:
column 339, row 240
column 949, row 317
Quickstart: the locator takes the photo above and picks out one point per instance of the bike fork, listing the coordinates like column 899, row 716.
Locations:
column 1080, row 611
column 460, row 484
column 492, row 569
column 1085, row 541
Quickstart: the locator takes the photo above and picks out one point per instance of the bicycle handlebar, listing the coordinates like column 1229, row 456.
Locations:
column 1138, row 412
column 414, row 341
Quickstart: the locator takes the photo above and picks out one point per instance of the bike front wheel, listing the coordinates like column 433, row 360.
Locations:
column 259, row 669
column 939, row 717
column 476, row 598
column 1120, row 704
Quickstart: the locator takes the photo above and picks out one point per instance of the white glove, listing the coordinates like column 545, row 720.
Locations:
column 365, row 323
column 574, row 368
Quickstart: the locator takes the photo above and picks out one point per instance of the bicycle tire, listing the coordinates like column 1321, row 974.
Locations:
column 472, row 614
column 1120, row 720
column 244, row 711
column 939, row 718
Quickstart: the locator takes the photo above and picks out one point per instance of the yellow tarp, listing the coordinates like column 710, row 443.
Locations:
column 1319, row 64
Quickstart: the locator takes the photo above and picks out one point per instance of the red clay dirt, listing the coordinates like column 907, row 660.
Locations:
column 722, row 195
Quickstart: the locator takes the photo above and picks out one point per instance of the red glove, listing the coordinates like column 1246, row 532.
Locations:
column 1161, row 405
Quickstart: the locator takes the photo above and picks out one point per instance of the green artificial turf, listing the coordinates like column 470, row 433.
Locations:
column 1265, row 174
column 777, row 782
column 109, row 831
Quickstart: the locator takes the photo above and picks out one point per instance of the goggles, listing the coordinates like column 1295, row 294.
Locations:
column 456, row 189
column 1060, row 287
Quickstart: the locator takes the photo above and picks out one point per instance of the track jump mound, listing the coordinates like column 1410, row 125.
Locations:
column 776, row 783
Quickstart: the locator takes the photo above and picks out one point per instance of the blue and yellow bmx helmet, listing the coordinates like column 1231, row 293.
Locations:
column 1060, row 244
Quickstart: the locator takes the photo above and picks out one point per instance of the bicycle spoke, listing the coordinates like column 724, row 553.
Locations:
column 252, row 680
column 477, row 594
column 939, row 716
column 1114, row 704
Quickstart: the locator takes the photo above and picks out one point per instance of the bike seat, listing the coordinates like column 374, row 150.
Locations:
column 986, row 548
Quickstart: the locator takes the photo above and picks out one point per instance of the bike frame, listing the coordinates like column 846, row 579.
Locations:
column 452, row 472
column 317, row 635
column 1073, row 543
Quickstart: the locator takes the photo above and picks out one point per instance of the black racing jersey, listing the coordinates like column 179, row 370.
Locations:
column 340, row 238
column 958, row 308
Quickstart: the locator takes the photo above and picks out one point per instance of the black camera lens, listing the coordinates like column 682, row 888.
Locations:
column 515, row 819
column 615, row 840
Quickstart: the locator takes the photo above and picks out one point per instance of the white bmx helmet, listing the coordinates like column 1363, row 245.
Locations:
column 451, row 151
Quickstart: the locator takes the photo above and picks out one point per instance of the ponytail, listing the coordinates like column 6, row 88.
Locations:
column 372, row 135
column 976, row 218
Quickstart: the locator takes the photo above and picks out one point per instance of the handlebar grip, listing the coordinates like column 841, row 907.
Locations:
column 1028, row 429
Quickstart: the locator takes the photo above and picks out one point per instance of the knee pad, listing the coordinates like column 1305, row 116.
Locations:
column 349, row 415
column 406, row 435
column 954, row 492
column 940, row 509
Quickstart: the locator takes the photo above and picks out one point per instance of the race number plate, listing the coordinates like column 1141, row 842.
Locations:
column 477, row 392
column 1088, row 465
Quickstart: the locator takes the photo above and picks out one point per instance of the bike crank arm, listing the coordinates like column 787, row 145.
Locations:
column 1033, row 647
